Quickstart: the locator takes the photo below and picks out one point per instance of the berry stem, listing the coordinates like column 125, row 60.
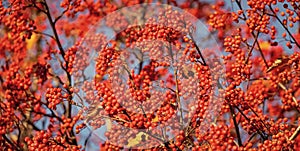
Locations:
column 198, row 50
column 11, row 143
column 236, row 126
column 288, row 31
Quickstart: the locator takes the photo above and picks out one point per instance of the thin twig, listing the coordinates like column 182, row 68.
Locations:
column 261, row 133
column 42, row 33
column 288, row 31
column 252, row 48
column 236, row 126
column 48, row 13
column 262, row 55
column 295, row 134
column 253, row 135
column 198, row 50
column 87, row 139
column 61, row 15
column 35, row 6
column 10, row 142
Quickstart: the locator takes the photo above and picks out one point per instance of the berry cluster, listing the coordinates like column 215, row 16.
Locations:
column 154, row 87
column 54, row 96
column 43, row 140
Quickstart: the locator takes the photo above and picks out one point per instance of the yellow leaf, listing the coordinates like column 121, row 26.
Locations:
column 32, row 41
column 265, row 45
column 9, row 35
column 134, row 141
column 155, row 119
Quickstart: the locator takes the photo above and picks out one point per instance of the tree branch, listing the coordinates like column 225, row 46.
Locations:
column 54, row 30
column 236, row 126
column 288, row 31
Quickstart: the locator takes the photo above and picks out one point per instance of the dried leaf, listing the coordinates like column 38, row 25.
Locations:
column 108, row 124
column 137, row 139
column 278, row 62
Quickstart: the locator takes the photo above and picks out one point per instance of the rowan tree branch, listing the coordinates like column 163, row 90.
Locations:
column 287, row 30
column 236, row 126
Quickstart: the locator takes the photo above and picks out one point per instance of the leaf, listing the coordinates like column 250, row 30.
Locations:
column 138, row 138
column 278, row 62
column 93, row 113
column 30, row 43
column 265, row 45
column 108, row 124
column 155, row 119
column 188, row 72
